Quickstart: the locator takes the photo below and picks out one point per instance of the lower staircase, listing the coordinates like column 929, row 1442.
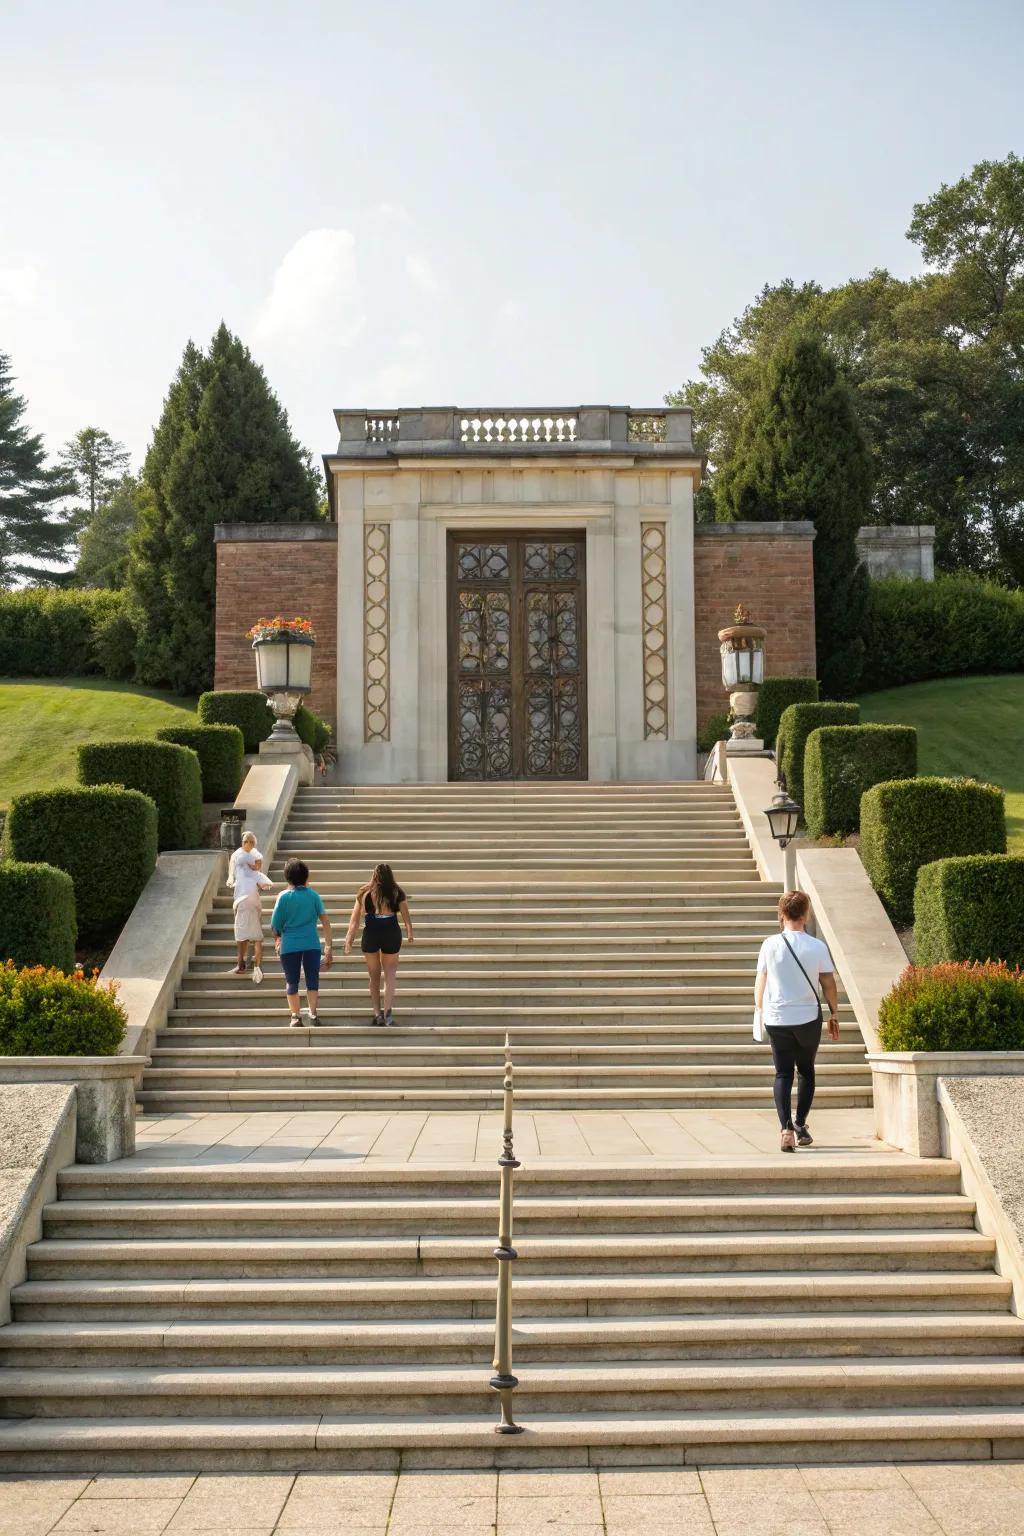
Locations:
column 328, row 1313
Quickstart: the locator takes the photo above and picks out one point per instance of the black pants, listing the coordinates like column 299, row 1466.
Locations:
column 793, row 1050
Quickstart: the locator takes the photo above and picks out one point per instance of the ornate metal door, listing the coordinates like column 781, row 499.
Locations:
column 517, row 706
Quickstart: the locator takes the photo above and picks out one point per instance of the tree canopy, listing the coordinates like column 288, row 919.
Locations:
column 34, row 528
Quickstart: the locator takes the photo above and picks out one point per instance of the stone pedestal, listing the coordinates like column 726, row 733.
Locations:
column 105, row 1095
column 738, row 744
column 285, row 752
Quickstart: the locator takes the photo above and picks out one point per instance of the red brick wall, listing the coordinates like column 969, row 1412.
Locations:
column 772, row 574
column 262, row 577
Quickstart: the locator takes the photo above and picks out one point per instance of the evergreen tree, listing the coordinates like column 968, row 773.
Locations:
column 32, row 525
column 103, row 546
column 96, row 463
column 801, row 454
column 222, row 452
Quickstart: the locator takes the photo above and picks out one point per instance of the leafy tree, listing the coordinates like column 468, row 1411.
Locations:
column 103, row 546
column 801, row 453
column 33, row 527
column 96, row 463
column 222, row 452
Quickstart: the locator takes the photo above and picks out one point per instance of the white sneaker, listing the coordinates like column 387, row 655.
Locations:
column 257, row 974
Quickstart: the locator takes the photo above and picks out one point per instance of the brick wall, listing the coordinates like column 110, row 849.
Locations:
column 768, row 567
column 264, row 569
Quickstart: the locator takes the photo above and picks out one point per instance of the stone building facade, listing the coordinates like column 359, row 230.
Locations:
column 516, row 594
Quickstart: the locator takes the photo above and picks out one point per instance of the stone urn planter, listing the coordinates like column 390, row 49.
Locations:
column 742, row 648
column 284, row 668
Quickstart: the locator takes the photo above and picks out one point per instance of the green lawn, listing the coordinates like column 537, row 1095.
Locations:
column 42, row 723
column 966, row 725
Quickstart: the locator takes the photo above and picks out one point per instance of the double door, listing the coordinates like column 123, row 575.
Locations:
column 517, row 695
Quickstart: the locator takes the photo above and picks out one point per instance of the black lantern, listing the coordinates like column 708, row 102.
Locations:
column 783, row 817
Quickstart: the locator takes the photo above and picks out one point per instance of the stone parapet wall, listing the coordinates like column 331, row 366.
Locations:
column 769, row 568
column 270, row 568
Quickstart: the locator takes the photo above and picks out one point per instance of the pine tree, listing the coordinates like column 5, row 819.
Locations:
column 801, row 454
column 103, row 546
column 33, row 527
column 95, row 462
column 222, row 452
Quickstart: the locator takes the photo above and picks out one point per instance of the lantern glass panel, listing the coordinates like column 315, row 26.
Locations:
column 272, row 665
column 730, row 668
column 757, row 659
column 300, row 665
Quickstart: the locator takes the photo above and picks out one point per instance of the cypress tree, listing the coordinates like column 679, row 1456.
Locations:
column 801, row 454
column 222, row 452
column 32, row 525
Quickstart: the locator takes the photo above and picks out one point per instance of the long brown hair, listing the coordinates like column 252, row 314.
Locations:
column 383, row 889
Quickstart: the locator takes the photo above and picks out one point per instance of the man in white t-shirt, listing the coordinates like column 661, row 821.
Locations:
column 791, row 966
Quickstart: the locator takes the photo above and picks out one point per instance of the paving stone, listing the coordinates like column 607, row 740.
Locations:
column 31, row 1506
column 219, row 1502
column 465, row 1511
column 540, row 1511
column 975, row 1508
column 136, row 1517
column 128, row 1485
column 685, row 1513
column 549, row 1484
column 650, row 1482
column 442, row 1484
column 896, row 1511
column 884, row 1475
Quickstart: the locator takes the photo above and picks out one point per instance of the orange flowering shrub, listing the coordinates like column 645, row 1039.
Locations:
column 293, row 629
column 44, row 1012
column 972, row 1006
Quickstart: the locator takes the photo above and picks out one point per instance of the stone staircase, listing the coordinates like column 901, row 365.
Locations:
column 319, row 1314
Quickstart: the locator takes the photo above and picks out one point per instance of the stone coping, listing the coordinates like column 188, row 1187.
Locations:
column 64, row 1069
column 275, row 533
column 752, row 779
column 37, row 1140
column 775, row 530
column 975, row 1113
column 896, row 533
column 949, row 1063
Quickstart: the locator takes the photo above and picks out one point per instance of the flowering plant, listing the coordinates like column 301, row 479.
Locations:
column 278, row 628
column 44, row 1012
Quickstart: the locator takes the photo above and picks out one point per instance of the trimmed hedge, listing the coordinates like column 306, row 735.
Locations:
column 777, row 694
column 910, row 822
column 796, row 724
column 311, row 729
column 970, row 908
column 168, row 774
column 842, row 761
column 46, row 632
column 943, row 628
column 245, row 707
column 219, row 748
column 37, row 915
column 45, row 1013
column 102, row 835
column 715, row 728
column 954, row 1008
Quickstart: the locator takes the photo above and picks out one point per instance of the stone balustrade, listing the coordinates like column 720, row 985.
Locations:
column 654, row 431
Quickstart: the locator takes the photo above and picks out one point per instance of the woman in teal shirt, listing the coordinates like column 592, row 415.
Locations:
column 294, row 921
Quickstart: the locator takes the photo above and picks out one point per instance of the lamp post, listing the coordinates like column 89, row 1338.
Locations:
column 284, row 669
column 742, row 647
column 783, row 818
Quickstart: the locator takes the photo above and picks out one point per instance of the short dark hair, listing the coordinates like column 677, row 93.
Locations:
column 793, row 904
column 296, row 872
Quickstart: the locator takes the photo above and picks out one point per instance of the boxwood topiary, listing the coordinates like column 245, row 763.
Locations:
column 954, row 1008
column 45, row 1013
column 796, row 724
column 777, row 694
column 168, row 774
column 37, row 915
column 970, row 908
column 311, row 729
column 910, row 822
column 245, row 707
column 219, row 748
column 842, row 761
column 714, row 729
column 102, row 835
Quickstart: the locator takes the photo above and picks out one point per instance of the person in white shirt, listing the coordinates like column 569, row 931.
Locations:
column 790, row 968
column 247, row 880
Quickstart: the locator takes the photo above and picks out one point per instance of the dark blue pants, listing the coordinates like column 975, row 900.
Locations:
column 308, row 962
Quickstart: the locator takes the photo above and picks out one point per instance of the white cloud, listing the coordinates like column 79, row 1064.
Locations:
column 19, row 287
column 315, row 290
column 421, row 274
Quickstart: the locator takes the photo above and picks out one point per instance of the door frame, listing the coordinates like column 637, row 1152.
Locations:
column 517, row 585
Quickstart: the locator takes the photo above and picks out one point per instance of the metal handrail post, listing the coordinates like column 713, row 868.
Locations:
column 503, row 1380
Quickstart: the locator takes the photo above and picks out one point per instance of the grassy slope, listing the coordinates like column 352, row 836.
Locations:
column 42, row 723
column 966, row 725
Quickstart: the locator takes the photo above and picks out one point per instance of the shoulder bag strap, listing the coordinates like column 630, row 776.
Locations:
column 796, row 957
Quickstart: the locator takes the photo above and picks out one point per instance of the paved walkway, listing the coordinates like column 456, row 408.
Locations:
column 933, row 1499
column 445, row 1137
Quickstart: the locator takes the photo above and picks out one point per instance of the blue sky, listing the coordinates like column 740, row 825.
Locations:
column 400, row 203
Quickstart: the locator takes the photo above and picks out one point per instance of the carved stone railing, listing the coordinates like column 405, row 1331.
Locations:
column 653, row 432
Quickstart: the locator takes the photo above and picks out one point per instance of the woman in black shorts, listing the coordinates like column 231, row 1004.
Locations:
column 379, row 904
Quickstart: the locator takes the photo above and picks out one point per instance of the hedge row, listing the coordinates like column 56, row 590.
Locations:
column 103, row 836
column 970, row 909
column 46, row 632
column 45, row 1013
column 942, row 628
column 37, row 915
column 220, row 750
column 774, row 696
column 248, row 709
column 907, row 823
column 842, row 761
column 954, row 1008
column 796, row 724
column 168, row 774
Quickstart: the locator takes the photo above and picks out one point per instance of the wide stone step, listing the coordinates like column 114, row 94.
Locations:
column 584, row 1255
column 473, row 1077
column 310, row 1052
column 416, row 1215
column 346, row 991
column 273, row 1033
column 889, row 1335
column 381, row 1297
column 474, row 1101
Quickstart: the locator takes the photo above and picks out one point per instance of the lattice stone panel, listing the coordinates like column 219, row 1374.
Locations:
column 376, row 632
column 654, row 605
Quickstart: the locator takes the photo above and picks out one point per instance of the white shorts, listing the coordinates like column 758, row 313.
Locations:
column 248, row 918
